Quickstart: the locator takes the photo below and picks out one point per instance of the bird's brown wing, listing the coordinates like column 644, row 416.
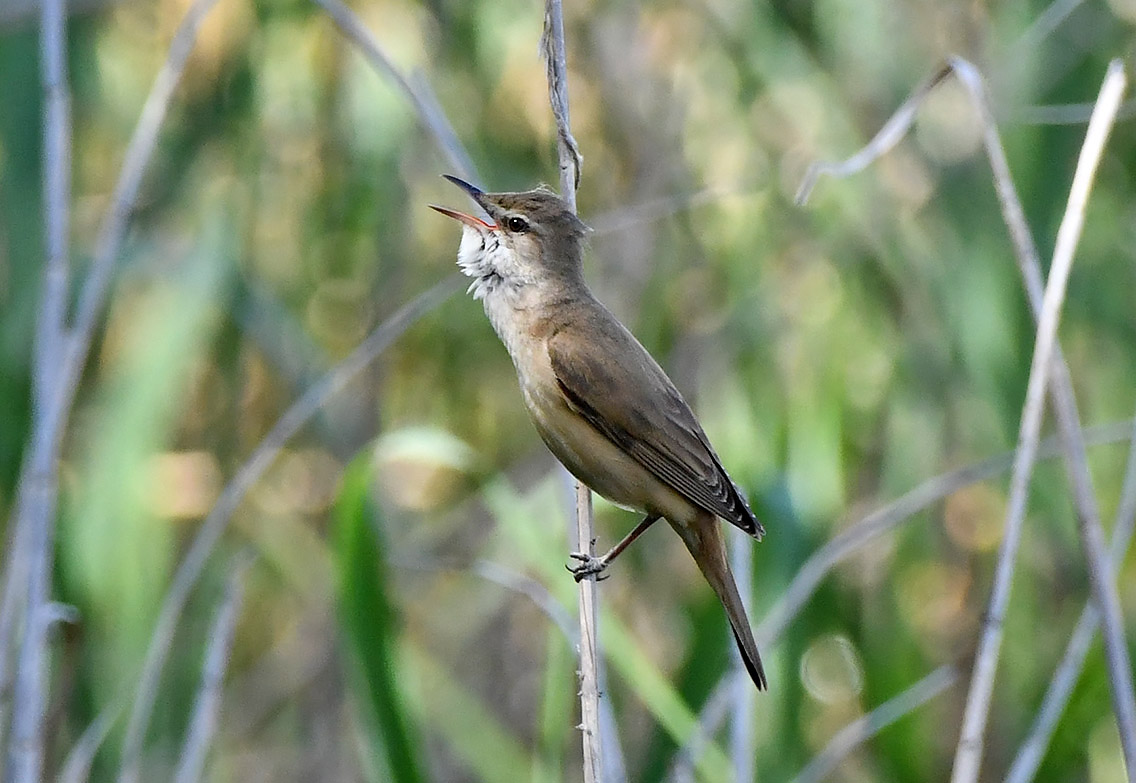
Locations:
column 632, row 402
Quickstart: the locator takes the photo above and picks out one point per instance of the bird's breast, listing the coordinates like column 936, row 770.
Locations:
column 598, row 462
column 587, row 453
column 513, row 319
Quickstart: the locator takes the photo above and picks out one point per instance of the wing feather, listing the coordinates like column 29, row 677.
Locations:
column 654, row 426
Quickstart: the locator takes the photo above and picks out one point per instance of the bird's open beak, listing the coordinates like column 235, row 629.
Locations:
column 469, row 220
column 475, row 193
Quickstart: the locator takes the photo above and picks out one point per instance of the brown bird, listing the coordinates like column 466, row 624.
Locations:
column 600, row 402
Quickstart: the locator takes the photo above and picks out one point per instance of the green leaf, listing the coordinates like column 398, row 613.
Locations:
column 368, row 623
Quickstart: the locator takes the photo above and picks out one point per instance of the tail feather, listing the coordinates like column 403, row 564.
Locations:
column 705, row 541
column 748, row 649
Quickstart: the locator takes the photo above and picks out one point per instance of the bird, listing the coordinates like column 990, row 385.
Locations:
column 598, row 399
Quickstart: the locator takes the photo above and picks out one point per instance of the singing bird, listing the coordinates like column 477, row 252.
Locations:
column 600, row 402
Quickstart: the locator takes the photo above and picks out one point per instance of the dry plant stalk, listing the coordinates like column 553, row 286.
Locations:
column 192, row 565
column 419, row 95
column 29, row 567
column 968, row 757
column 883, row 520
column 861, row 730
column 1051, row 366
column 215, row 524
column 1032, row 749
column 207, row 704
column 552, row 48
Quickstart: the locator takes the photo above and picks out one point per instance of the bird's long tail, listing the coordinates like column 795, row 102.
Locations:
column 706, row 543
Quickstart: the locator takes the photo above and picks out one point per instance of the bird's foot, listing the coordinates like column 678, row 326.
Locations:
column 589, row 566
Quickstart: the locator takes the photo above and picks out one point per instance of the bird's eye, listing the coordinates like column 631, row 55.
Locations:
column 518, row 225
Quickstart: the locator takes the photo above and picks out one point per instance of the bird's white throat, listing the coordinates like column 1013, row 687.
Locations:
column 498, row 282
column 482, row 257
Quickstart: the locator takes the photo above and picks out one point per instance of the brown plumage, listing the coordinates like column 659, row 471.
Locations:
column 598, row 399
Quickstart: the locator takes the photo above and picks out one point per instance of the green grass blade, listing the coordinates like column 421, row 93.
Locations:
column 369, row 627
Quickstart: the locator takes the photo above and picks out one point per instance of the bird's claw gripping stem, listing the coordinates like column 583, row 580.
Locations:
column 589, row 566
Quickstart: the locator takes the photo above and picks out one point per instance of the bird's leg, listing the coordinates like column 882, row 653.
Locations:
column 590, row 565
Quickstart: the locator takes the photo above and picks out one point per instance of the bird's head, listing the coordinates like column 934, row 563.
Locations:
column 530, row 238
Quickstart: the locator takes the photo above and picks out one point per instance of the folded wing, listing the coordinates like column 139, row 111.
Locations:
column 657, row 429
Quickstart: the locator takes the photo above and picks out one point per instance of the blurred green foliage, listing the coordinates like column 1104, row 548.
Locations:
column 369, row 623
column 837, row 355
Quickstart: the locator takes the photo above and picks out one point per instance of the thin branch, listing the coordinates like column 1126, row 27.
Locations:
column 207, row 705
column 589, row 644
column 191, row 566
column 884, row 520
column 615, row 221
column 1043, row 26
column 1068, row 423
column 77, row 767
column 514, row 582
column 1068, row 113
column 860, row 731
column 968, row 756
column 26, row 745
column 1061, row 387
column 36, row 486
column 13, row 601
column 416, row 90
column 1025, row 765
column 35, row 526
column 553, row 50
column 56, row 194
column 292, row 663
column 531, row 589
column 556, row 66
column 887, row 137
column 415, row 87
column 1101, row 573
column 893, row 515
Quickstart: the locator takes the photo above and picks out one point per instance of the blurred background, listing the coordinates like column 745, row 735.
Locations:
column 838, row 355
